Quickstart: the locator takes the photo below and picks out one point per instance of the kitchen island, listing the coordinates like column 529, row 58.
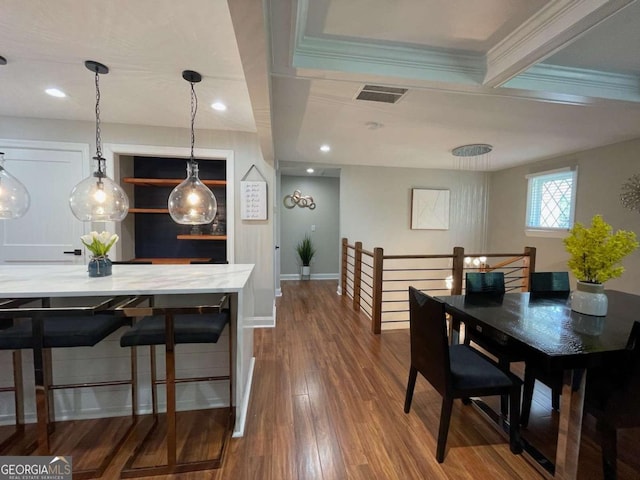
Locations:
column 168, row 283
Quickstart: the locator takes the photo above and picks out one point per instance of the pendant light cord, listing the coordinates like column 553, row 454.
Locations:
column 98, row 137
column 194, row 109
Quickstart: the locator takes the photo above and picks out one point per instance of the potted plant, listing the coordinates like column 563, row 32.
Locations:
column 596, row 253
column 306, row 251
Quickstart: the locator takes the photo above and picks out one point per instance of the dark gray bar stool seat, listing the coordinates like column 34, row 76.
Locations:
column 188, row 328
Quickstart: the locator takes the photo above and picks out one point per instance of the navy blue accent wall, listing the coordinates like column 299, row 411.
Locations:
column 156, row 234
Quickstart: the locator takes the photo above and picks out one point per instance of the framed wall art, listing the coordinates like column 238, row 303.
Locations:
column 429, row 209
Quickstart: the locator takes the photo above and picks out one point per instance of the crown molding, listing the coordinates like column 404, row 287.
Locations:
column 555, row 26
column 332, row 53
column 578, row 81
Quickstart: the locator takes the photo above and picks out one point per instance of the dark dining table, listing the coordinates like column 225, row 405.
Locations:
column 550, row 335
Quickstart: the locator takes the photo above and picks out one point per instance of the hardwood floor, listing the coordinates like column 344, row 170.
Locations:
column 327, row 404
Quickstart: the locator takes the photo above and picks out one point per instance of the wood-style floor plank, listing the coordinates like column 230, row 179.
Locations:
column 327, row 404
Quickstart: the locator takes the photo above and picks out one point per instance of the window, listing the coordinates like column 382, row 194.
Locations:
column 551, row 200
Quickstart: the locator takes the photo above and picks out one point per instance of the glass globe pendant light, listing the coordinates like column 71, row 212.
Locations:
column 97, row 198
column 14, row 197
column 192, row 202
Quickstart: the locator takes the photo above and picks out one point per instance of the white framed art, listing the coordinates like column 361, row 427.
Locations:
column 429, row 209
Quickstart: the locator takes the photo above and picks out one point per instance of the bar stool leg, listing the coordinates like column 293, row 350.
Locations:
column 170, row 385
column 18, row 384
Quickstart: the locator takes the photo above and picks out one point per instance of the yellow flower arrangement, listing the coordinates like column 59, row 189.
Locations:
column 596, row 251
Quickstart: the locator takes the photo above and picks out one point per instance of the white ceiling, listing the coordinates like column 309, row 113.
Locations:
column 534, row 78
column 145, row 43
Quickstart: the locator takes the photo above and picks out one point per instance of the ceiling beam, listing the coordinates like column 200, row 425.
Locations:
column 252, row 36
column 555, row 26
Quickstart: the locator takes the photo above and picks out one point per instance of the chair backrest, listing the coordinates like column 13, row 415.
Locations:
column 549, row 283
column 485, row 282
column 428, row 332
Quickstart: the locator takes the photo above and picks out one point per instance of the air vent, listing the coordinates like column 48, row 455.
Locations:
column 378, row 93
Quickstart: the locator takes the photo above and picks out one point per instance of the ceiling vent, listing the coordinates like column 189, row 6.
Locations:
column 378, row 93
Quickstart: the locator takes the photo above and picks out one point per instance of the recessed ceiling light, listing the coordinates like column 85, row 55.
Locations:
column 55, row 92
column 310, row 170
column 219, row 106
column 325, row 148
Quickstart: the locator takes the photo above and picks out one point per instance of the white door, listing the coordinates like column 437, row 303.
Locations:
column 48, row 233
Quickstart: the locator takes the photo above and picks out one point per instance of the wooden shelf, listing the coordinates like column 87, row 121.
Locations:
column 202, row 237
column 167, row 182
column 169, row 261
column 148, row 210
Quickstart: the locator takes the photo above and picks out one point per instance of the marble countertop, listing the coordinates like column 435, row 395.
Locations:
column 23, row 281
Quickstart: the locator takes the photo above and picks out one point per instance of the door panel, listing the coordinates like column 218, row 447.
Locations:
column 49, row 170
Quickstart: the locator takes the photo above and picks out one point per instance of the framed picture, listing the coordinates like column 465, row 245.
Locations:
column 429, row 209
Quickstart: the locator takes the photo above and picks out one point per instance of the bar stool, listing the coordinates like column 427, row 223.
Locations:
column 43, row 328
column 18, row 384
column 170, row 326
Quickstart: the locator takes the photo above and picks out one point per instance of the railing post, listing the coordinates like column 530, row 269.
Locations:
column 357, row 276
column 343, row 272
column 376, row 313
column 529, row 266
column 457, row 270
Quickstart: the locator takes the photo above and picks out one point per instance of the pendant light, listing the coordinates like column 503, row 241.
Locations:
column 14, row 197
column 98, row 198
column 192, row 202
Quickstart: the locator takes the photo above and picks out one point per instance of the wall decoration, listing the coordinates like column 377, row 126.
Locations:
column 253, row 197
column 296, row 198
column 429, row 209
column 630, row 196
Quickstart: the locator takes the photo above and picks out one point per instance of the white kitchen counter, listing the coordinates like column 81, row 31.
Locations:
column 24, row 281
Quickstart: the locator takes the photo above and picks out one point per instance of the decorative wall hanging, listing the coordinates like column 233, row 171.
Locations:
column 253, row 196
column 296, row 198
column 630, row 195
column 429, row 209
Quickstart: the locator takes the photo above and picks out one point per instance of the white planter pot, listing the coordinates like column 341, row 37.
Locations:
column 589, row 299
column 305, row 272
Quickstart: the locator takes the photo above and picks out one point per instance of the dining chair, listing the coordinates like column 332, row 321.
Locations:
column 543, row 285
column 611, row 396
column 64, row 327
column 490, row 283
column 170, row 326
column 456, row 371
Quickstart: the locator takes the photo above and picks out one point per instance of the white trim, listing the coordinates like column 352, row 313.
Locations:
column 278, row 292
column 238, row 430
column 553, row 27
column 546, row 232
column 550, row 172
column 262, row 322
column 110, row 150
column 394, row 325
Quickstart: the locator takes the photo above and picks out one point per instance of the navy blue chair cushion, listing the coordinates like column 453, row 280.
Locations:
column 469, row 370
column 63, row 332
column 188, row 328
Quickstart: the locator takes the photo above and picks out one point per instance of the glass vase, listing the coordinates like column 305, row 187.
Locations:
column 99, row 267
column 589, row 299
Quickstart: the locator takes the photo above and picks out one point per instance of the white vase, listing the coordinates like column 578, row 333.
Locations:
column 589, row 299
column 305, row 272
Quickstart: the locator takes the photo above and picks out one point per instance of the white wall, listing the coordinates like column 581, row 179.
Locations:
column 375, row 208
column 601, row 173
column 296, row 222
column 253, row 240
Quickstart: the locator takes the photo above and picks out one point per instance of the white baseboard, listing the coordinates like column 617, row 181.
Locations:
column 262, row 322
column 278, row 292
column 394, row 326
column 238, row 429
column 314, row 276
